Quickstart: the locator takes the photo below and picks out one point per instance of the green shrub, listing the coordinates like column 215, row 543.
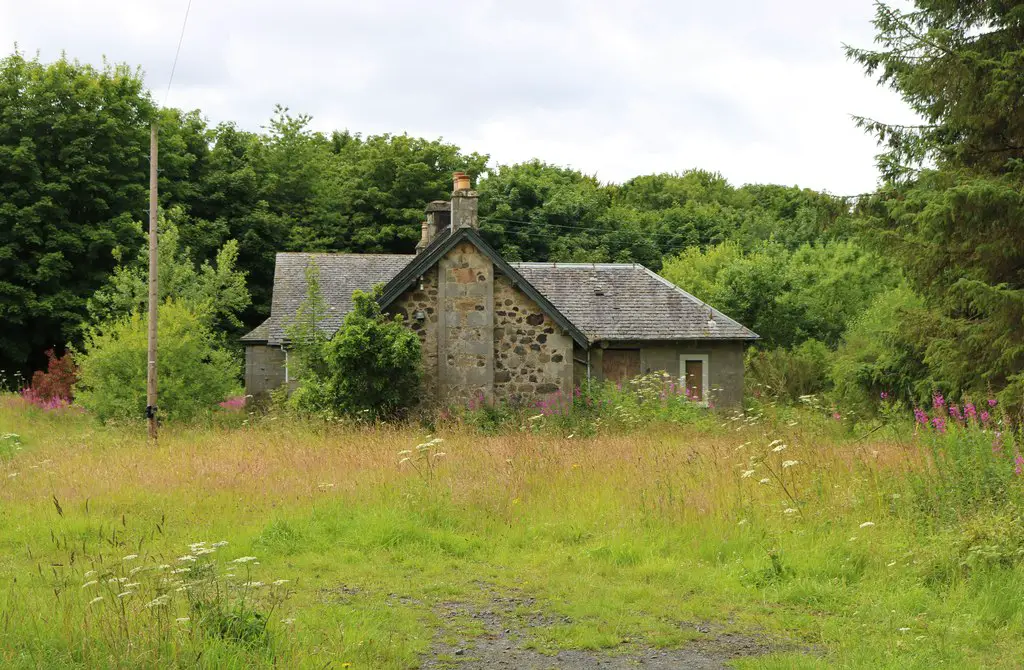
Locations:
column 788, row 374
column 193, row 372
column 880, row 354
column 371, row 367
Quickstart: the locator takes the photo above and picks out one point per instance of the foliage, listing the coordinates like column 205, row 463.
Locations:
column 216, row 291
column 881, row 353
column 73, row 144
column 58, row 379
column 952, row 210
column 194, row 372
column 974, row 460
column 307, row 341
column 371, row 368
column 786, row 296
column 789, row 374
column 647, row 400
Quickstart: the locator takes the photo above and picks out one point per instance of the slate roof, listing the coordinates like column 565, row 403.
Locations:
column 594, row 301
column 621, row 301
column 445, row 242
column 258, row 334
column 340, row 275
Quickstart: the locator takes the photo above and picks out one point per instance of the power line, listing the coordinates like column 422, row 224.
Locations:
column 539, row 228
column 177, row 51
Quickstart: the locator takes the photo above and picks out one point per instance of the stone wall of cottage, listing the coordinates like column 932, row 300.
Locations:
column 481, row 336
column 532, row 355
column 418, row 306
column 466, row 326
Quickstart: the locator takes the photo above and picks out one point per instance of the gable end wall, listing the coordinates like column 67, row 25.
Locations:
column 532, row 354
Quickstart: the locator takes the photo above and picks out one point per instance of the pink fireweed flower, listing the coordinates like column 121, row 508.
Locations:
column 970, row 410
column 938, row 402
column 235, row 403
column 883, row 395
column 920, row 416
column 954, row 411
column 939, row 423
column 1018, row 465
column 985, row 416
column 837, row 416
column 992, row 402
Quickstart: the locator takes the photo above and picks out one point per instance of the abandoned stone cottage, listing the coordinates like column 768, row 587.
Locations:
column 505, row 331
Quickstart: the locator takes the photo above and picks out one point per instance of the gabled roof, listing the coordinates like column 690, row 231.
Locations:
column 592, row 301
column 447, row 240
column 340, row 275
column 622, row 301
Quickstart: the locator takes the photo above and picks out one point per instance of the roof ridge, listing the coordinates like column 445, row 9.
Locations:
column 341, row 253
column 602, row 266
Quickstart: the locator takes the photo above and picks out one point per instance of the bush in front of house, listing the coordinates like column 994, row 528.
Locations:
column 193, row 371
column 370, row 369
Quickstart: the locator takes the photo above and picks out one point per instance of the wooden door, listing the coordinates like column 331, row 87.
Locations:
column 695, row 379
column 621, row 365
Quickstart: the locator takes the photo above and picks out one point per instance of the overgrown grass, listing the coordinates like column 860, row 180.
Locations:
column 624, row 536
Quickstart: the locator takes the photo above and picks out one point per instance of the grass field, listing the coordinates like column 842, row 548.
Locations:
column 659, row 538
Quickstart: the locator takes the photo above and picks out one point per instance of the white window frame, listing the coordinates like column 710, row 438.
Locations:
column 705, row 369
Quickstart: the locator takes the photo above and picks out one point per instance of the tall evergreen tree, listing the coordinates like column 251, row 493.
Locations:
column 952, row 205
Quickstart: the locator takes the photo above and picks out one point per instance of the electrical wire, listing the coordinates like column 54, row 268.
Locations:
column 177, row 51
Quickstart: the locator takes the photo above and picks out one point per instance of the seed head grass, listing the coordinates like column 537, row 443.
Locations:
column 300, row 544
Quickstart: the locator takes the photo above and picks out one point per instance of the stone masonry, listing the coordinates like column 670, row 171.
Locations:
column 466, row 326
column 532, row 356
column 418, row 306
column 489, row 341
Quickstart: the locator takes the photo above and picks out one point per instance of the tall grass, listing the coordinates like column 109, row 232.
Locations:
column 780, row 521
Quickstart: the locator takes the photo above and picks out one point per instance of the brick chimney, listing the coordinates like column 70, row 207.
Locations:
column 464, row 203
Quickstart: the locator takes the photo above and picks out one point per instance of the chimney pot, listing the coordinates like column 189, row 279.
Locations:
column 460, row 181
column 464, row 203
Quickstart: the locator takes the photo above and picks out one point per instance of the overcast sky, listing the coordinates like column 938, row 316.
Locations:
column 757, row 90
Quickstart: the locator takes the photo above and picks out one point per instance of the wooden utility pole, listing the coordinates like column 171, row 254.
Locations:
column 153, row 267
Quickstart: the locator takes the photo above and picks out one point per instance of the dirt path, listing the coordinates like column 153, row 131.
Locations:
column 498, row 637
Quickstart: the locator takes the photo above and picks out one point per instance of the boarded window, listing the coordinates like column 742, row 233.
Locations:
column 621, row 365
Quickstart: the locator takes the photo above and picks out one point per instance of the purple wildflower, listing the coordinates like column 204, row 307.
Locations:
column 883, row 395
column 1018, row 464
column 938, row 402
column 55, row 402
column 920, row 416
column 992, row 402
column 970, row 410
column 233, row 404
column 954, row 411
column 939, row 423
column 985, row 416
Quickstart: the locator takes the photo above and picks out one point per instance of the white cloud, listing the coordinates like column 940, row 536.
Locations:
column 760, row 92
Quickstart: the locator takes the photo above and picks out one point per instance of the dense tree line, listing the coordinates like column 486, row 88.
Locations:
column 919, row 287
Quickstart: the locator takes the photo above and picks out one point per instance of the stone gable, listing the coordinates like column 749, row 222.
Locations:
column 482, row 337
column 418, row 307
column 532, row 356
